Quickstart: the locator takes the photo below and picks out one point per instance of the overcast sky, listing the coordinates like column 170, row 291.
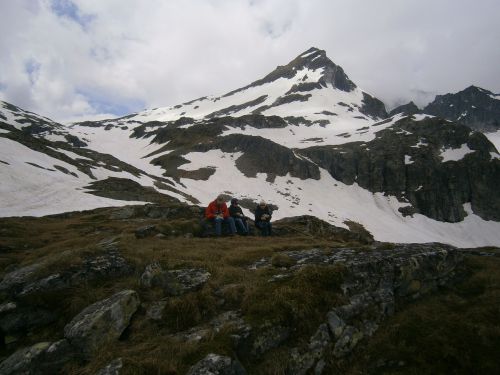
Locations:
column 75, row 59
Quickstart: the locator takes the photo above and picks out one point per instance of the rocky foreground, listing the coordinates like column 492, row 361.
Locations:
column 135, row 290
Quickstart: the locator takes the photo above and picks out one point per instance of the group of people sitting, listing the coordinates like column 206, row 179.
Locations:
column 218, row 213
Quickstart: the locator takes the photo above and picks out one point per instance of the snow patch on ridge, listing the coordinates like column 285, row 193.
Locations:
column 455, row 154
column 43, row 190
column 494, row 138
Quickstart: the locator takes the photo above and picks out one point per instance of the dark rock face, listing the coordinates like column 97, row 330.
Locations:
column 407, row 109
column 406, row 161
column 474, row 107
column 373, row 107
column 257, row 152
column 311, row 59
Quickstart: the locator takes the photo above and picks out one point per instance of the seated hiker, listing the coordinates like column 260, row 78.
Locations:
column 217, row 211
column 263, row 218
column 237, row 214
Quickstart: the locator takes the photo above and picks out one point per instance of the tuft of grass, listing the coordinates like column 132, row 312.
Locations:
column 301, row 301
column 282, row 260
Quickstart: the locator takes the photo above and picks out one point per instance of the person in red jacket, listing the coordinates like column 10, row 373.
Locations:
column 217, row 212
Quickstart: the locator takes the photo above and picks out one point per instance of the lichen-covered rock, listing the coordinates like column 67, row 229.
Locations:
column 15, row 280
column 304, row 360
column 347, row 341
column 102, row 322
column 155, row 310
column 336, row 324
column 24, row 360
column 41, row 358
column 152, row 276
column 232, row 320
column 113, row 368
column 269, row 337
column 214, row 364
column 24, row 281
column 174, row 282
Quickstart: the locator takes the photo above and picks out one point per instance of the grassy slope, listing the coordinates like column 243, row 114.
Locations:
column 455, row 331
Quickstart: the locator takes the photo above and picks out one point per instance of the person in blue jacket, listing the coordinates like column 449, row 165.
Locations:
column 237, row 214
column 263, row 215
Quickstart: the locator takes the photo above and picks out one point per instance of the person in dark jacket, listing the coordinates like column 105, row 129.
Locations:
column 217, row 212
column 263, row 216
column 237, row 214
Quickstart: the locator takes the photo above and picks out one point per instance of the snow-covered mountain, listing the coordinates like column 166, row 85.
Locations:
column 304, row 137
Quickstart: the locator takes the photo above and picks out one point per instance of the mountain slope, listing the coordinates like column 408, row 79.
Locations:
column 43, row 172
column 309, row 141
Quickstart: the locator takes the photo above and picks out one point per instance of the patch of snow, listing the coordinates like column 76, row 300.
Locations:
column 305, row 54
column 419, row 188
column 421, row 142
column 421, row 116
column 30, row 191
column 70, row 154
column 455, row 154
column 117, row 142
column 408, row 160
column 53, row 137
column 494, row 155
column 293, row 136
column 4, row 131
column 494, row 137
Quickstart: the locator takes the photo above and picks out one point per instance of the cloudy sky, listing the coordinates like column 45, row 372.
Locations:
column 75, row 59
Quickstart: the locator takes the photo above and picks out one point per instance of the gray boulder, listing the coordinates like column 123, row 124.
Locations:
column 41, row 358
column 102, row 322
column 175, row 282
column 214, row 364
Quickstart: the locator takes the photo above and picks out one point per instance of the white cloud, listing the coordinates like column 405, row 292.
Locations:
column 90, row 57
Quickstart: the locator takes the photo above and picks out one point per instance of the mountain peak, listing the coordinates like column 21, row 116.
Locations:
column 313, row 59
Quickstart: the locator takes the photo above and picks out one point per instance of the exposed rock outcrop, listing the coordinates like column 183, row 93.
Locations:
column 39, row 359
column 174, row 282
column 407, row 109
column 408, row 160
column 217, row 365
column 375, row 281
column 102, row 322
column 475, row 107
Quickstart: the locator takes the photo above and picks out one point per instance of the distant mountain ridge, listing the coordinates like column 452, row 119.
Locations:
column 304, row 137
